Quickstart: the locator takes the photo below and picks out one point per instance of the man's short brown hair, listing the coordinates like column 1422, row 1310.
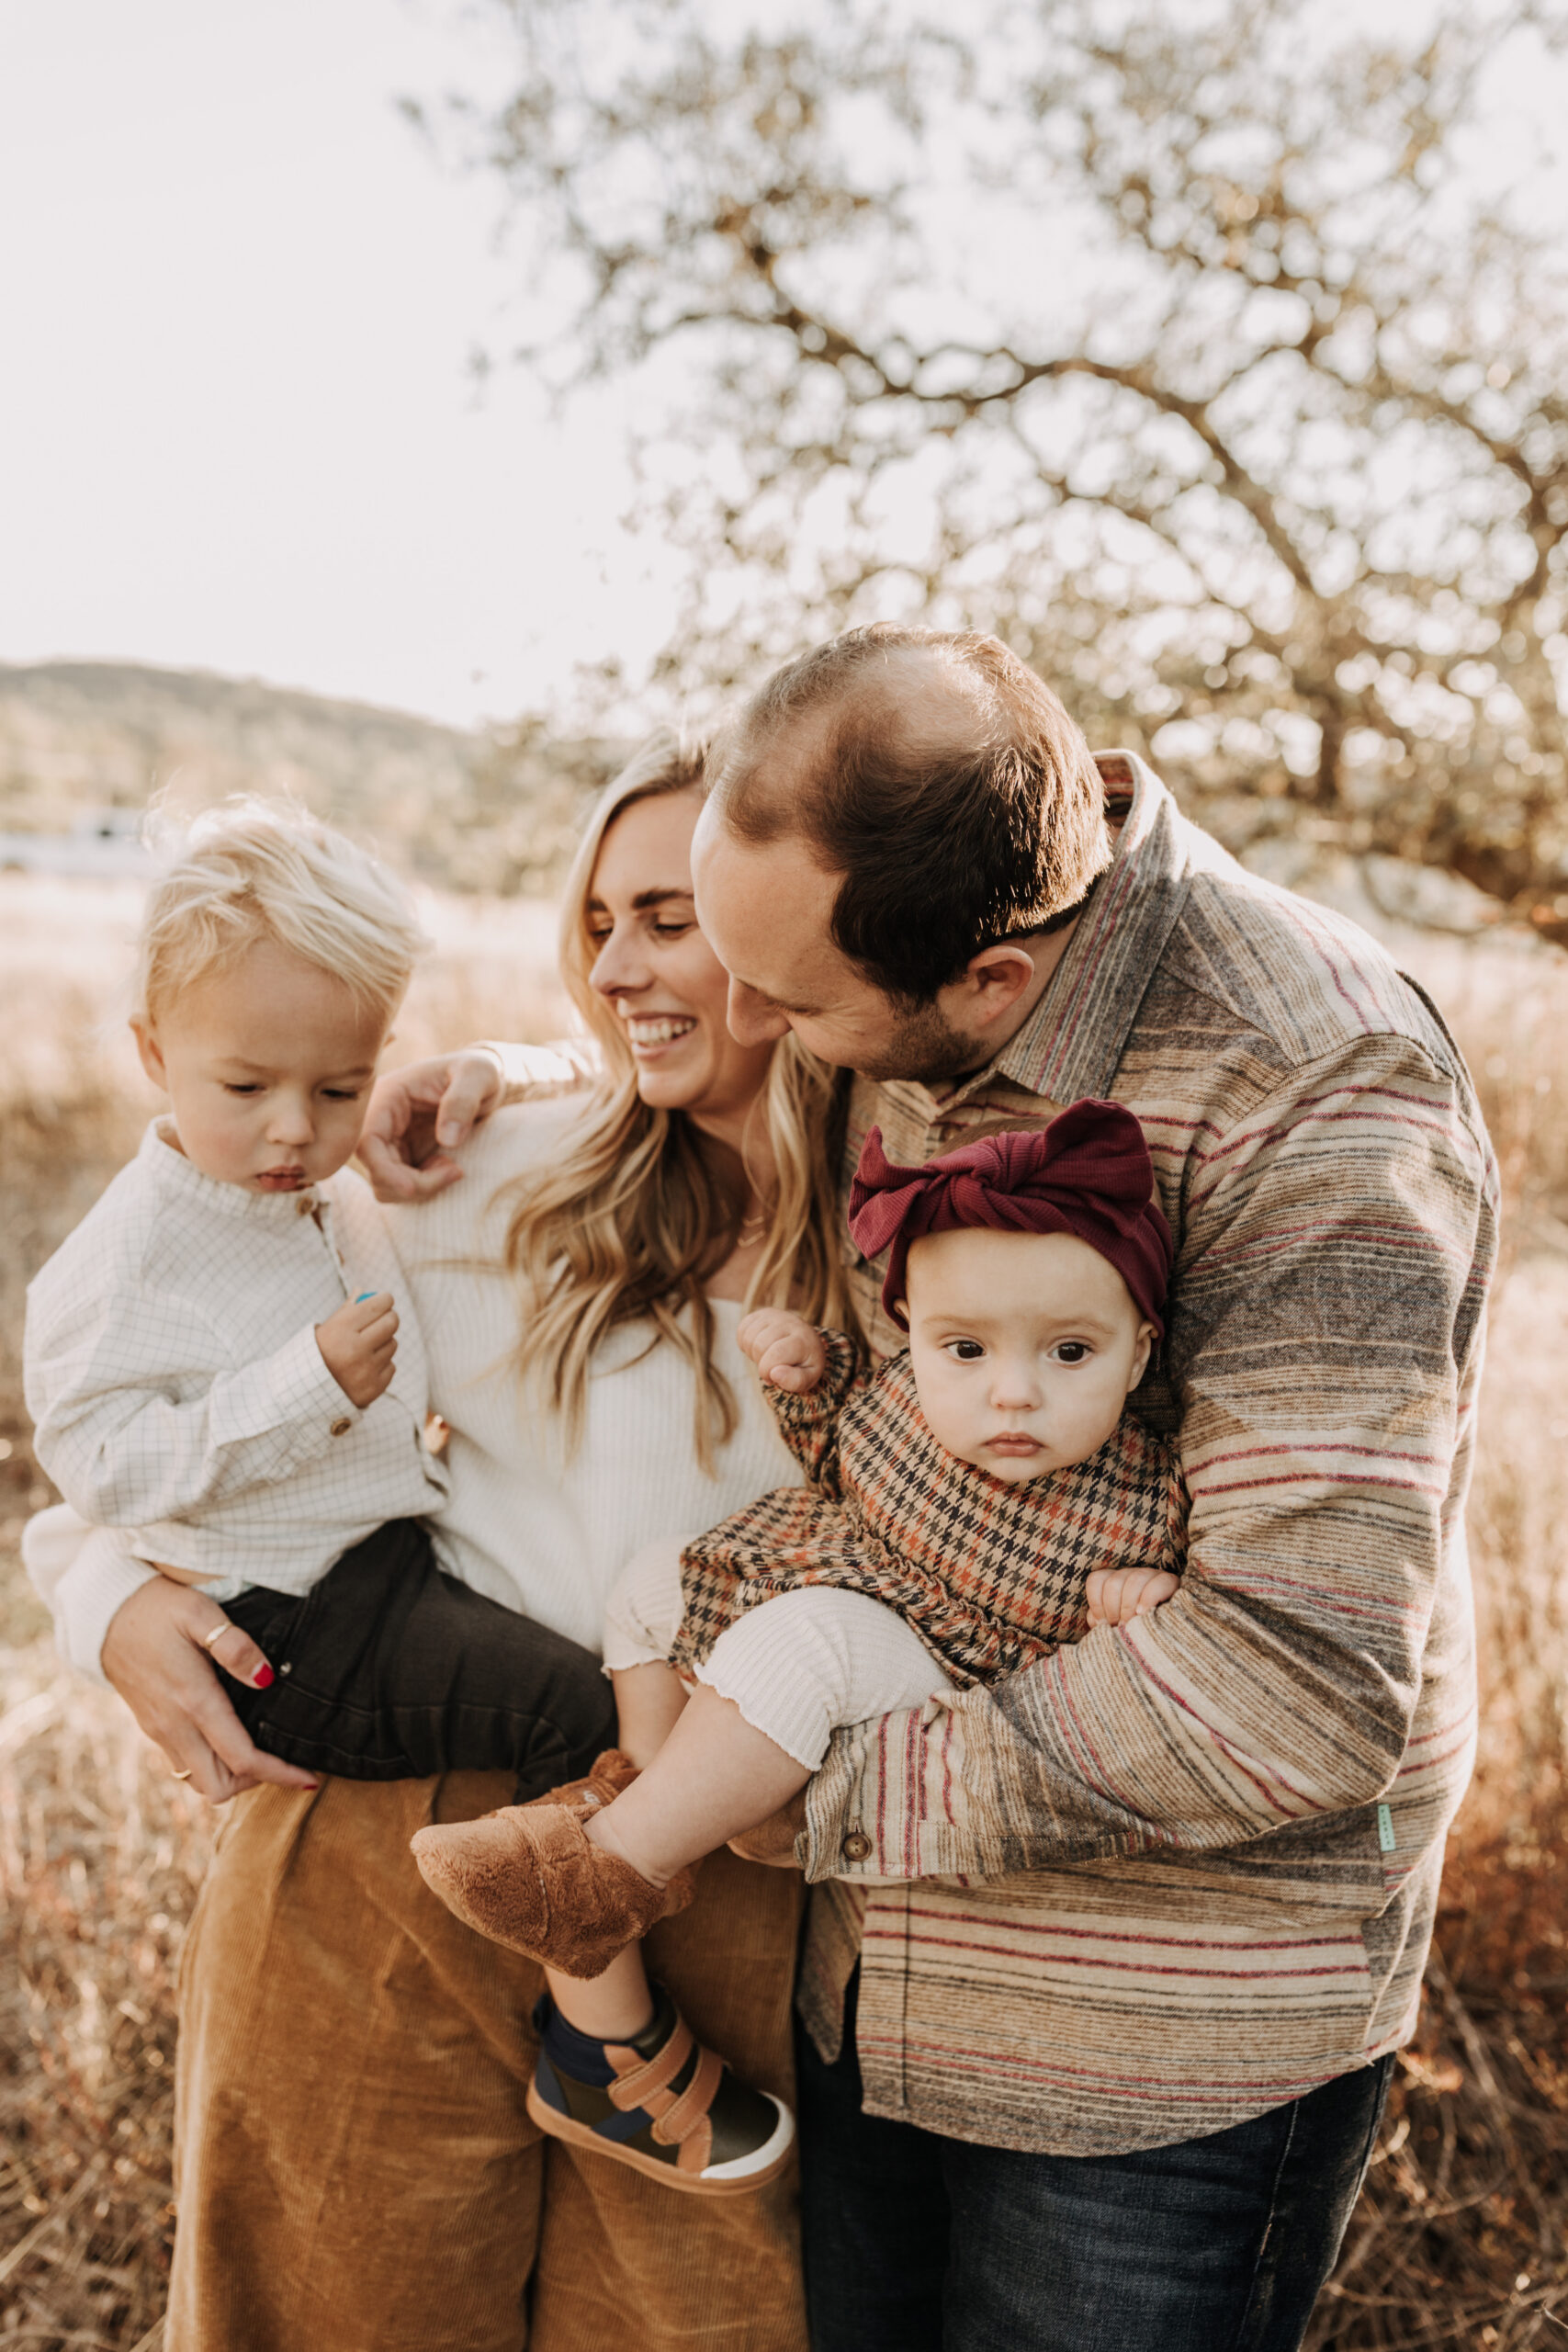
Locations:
column 940, row 776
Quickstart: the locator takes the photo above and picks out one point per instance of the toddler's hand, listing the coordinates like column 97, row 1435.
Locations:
column 359, row 1347
column 1118, row 1595
column 785, row 1348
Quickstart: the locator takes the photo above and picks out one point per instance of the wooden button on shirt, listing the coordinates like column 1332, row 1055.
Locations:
column 857, row 1846
column 341, row 1427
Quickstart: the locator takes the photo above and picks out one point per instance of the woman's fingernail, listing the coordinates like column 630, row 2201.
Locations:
column 262, row 1676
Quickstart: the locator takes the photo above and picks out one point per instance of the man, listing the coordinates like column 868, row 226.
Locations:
column 1108, row 1962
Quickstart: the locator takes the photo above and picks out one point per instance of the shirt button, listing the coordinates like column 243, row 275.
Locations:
column 856, row 1845
column 305, row 1205
column 340, row 1428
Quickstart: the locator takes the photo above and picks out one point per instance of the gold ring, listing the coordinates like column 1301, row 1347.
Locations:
column 184, row 1776
column 217, row 1634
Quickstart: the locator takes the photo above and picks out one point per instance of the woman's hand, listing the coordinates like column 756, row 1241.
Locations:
column 787, row 1349
column 420, row 1115
column 159, row 1653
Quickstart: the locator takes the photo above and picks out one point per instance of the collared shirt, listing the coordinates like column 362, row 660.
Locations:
column 1186, row 1870
column 178, row 1390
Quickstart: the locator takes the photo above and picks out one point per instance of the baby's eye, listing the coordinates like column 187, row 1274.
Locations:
column 966, row 1350
column 237, row 1087
column 342, row 1093
column 1072, row 1351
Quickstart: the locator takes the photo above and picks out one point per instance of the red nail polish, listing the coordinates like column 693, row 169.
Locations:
column 263, row 1676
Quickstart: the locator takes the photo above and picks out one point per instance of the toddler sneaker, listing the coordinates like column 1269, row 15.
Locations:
column 660, row 2102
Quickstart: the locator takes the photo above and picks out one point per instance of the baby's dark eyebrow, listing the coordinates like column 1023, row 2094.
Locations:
column 1070, row 1328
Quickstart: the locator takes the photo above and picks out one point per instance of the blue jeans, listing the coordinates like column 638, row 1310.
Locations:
column 919, row 2244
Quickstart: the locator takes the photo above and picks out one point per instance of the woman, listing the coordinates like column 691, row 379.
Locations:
column 355, row 2168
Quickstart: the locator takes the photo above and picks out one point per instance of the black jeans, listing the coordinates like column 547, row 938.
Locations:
column 919, row 2244
column 389, row 1670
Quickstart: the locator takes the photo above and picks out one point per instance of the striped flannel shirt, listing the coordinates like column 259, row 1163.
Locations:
column 1186, row 1870
column 988, row 1573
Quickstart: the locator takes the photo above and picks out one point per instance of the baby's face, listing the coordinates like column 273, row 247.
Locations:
column 268, row 1066
column 1024, row 1347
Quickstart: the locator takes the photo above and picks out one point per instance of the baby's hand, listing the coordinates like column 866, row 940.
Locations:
column 785, row 1348
column 359, row 1347
column 1118, row 1595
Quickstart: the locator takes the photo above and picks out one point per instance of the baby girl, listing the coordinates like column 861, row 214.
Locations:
column 980, row 1499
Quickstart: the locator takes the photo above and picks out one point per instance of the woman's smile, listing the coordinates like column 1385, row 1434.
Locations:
column 649, row 1032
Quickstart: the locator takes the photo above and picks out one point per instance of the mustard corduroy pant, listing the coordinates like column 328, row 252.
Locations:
column 355, row 2171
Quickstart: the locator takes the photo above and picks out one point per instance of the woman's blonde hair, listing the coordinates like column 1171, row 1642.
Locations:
column 644, row 1208
column 253, row 869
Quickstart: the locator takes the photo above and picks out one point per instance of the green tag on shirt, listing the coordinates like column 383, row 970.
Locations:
column 1385, row 1829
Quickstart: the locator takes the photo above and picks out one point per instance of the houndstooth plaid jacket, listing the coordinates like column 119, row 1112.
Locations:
column 989, row 1575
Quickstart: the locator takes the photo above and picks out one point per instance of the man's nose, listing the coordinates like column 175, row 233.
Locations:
column 752, row 1020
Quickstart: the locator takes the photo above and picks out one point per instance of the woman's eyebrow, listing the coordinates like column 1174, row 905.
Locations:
column 646, row 898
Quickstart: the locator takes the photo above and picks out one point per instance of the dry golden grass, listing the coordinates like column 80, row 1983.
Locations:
column 1460, row 2239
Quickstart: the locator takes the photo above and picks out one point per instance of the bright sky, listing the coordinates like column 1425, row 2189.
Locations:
column 237, row 298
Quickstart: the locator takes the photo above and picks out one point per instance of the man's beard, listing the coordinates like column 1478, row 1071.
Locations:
column 924, row 1045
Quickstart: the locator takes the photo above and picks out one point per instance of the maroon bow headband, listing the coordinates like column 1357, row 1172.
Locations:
column 1089, row 1174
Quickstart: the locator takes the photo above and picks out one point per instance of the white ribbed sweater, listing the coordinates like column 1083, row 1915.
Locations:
column 544, row 1532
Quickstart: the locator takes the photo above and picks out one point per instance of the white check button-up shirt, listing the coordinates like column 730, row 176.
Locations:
column 178, row 1390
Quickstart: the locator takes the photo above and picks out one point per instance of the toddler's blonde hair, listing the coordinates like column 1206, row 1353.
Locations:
column 253, row 869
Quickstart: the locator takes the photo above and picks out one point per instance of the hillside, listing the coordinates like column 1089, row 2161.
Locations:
column 493, row 811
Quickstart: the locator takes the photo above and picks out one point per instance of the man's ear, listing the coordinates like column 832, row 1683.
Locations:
column 995, row 979
column 150, row 1052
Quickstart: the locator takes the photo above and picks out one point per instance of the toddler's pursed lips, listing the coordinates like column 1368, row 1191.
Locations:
column 1013, row 1442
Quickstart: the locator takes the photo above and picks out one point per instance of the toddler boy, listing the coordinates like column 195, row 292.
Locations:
column 220, row 1360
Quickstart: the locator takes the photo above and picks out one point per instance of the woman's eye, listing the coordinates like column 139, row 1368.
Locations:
column 1072, row 1351
column 670, row 930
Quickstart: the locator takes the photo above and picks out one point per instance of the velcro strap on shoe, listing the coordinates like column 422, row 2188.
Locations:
column 656, row 2074
column 693, row 2105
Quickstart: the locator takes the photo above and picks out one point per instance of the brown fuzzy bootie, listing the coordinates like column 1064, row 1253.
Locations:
column 528, row 1878
column 610, row 1772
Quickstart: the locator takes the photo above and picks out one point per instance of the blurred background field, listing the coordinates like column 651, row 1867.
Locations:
column 1460, row 2238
